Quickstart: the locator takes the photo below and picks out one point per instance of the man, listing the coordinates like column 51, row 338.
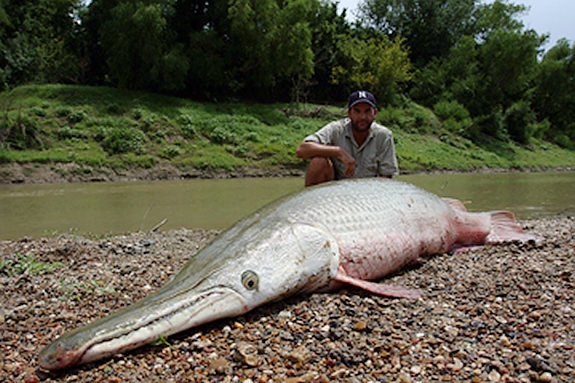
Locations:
column 352, row 147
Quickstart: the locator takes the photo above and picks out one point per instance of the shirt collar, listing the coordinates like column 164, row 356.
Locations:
column 349, row 133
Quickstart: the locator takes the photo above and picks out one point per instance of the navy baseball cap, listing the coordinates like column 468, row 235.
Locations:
column 360, row 96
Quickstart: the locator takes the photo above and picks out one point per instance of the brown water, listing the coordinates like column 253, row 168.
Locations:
column 119, row 207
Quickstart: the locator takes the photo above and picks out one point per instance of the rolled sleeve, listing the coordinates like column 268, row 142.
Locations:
column 328, row 135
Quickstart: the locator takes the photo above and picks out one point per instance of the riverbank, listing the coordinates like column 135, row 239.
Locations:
column 56, row 133
column 57, row 173
column 15, row 173
column 497, row 314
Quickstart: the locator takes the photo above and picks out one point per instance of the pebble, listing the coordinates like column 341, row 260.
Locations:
column 247, row 354
column 545, row 377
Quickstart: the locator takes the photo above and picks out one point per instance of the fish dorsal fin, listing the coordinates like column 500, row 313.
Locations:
column 377, row 288
column 455, row 203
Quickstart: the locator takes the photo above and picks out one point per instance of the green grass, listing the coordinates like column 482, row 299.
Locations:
column 26, row 264
column 107, row 127
column 78, row 290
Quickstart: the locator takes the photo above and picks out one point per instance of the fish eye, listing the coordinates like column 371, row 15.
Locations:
column 250, row 280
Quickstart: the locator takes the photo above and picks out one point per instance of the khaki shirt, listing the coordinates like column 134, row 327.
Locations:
column 376, row 157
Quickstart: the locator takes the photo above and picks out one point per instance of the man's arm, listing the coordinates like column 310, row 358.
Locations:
column 308, row 149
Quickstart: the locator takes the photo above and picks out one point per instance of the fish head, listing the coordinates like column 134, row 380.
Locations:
column 234, row 274
column 276, row 263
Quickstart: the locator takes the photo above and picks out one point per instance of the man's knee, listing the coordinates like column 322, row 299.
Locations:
column 320, row 170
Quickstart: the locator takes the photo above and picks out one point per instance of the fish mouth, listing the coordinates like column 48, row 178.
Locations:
column 132, row 327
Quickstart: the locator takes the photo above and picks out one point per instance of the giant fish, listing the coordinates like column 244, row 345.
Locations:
column 342, row 233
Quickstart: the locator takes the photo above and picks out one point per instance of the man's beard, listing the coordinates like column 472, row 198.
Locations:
column 360, row 130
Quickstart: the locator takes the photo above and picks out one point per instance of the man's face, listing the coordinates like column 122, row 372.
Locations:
column 361, row 116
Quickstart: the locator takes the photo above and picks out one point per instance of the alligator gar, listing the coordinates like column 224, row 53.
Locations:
column 347, row 232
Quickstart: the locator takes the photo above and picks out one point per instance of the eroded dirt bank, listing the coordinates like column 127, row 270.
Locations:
column 71, row 172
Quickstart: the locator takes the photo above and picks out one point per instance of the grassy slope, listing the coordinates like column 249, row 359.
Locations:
column 106, row 127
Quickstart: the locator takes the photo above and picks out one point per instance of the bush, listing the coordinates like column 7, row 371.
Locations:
column 519, row 121
column 66, row 132
column 455, row 116
column 170, row 151
column 490, row 124
column 113, row 108
column 73, row 116
column 564, row 141
column 77, row 116
column 38, row 111
column 450, row 109
column 63, row 112
column 221, row 135
column 188, row 127
column 120, row 141
column 22, row 132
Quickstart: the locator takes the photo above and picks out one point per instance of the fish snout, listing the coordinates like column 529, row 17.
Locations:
column 56, row 357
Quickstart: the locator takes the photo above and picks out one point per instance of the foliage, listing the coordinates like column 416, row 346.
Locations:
column 123, row 140
column 39, row 41
column 143, row 130
column 430, row 27
column 519, row 121
column 478, row 55
column 135, row 41
column 27, row 264
column 271, row 42
column 554, row 98
column 378, row 64
column 455, row 117
column 491, row 74
column 21, row 130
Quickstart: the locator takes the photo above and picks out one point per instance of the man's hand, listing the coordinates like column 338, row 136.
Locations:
column 348, row 160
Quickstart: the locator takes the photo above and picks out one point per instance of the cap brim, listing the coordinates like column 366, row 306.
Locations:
column 362, row 101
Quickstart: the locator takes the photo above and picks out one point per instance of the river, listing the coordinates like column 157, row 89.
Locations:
column 120, row 207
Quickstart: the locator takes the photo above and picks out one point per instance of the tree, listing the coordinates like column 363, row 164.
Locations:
column 430, row 27
column 293, row 47
column 490, row 72
column 554, row 99
column 93, row 19
column 270, row 44
column 495, row 16
column 508, row 62
column 140, row 51
column 39, row 41
column 330, row 33
column 380, row 65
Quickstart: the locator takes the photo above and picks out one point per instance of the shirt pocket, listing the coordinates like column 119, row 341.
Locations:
column 371, row 166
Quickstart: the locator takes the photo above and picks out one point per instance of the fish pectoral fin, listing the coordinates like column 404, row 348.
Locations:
column 378, row 288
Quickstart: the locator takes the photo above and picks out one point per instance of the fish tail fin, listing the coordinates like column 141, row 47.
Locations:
column 504, row 228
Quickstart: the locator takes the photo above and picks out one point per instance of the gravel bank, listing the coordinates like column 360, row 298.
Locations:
column 496, row 314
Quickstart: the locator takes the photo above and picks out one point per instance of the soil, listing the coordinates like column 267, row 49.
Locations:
column 35, row 173
column 496, row 314
column 15, row 173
